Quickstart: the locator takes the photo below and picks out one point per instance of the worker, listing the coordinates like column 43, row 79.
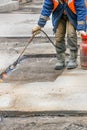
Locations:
column 68, row 18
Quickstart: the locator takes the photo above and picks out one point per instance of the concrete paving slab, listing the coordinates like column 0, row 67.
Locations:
column 68, row 92
column 8, row 6
column 5, row 100
column 65, row 93
column 4, row 60
column 20, row 25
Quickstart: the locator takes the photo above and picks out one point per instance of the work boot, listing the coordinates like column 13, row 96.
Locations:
column 73, row 60
column 61, row 61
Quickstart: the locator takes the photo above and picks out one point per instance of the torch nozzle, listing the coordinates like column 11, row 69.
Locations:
column 2, row 76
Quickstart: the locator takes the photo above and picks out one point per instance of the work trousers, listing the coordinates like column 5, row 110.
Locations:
column 65, row 28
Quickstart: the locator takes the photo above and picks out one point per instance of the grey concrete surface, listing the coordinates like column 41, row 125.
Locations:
column 20, row 25
column 8, row 5
column 44, row 123
column 67, row 92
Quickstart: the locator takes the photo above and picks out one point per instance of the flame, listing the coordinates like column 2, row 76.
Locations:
column 4, row 75
column 1, row 80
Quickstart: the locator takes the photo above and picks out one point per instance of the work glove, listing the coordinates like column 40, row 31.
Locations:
column 81, row 32
column 36, row 30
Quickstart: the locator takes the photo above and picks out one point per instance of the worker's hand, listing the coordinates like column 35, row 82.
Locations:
column 81, row 32
column 36, row 30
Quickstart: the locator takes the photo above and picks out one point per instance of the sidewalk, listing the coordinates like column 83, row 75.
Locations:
column 20, row 25
column 68, row 92
column 65, row 93
column 8, row 6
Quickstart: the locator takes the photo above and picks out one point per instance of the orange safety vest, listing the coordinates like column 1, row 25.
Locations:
column 56, row 3
column 69, row 2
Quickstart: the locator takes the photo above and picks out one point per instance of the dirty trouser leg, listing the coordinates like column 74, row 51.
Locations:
column 60, row 43
column 72, row 44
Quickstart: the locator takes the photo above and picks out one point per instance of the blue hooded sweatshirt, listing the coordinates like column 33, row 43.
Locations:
column 78, row 20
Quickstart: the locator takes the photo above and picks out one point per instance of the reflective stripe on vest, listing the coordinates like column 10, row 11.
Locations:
column 70, row 4
column 86, row 8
